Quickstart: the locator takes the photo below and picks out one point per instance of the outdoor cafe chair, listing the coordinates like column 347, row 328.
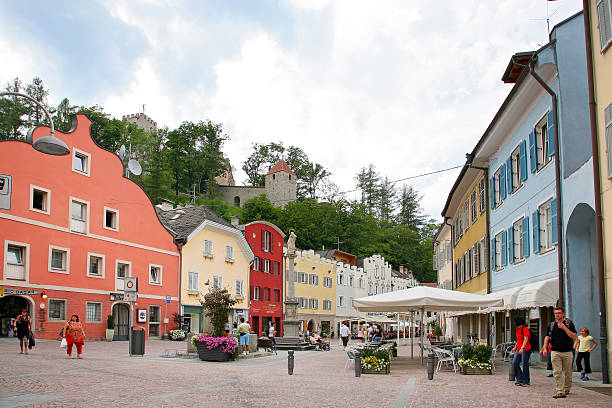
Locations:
column 351, row 358
column 445, row 357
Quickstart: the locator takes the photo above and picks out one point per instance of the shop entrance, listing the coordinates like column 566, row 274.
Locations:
column 121, row 311
column 10, row 308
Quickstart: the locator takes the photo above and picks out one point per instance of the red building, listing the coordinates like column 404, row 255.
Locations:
column 71, row 229
column 266, row 280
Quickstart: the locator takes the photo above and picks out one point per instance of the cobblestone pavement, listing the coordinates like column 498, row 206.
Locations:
column 108, row 377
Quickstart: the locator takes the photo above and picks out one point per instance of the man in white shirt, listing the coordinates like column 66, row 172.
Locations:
column 344, row 333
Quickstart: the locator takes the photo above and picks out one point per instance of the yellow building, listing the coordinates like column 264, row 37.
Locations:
column 315, row 290
column 599, row 17
column 466, row 211
column 214, row 255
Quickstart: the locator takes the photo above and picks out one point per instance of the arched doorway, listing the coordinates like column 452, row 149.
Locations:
column 311, row 326
column 10, row 308
column 581, row 278
column 121, row 318
column 237, row 201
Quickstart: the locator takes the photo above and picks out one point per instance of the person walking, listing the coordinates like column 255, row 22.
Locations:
column 360, row 334
column 23, row 326
column 344, row 334
column 584, row 349
column 74, row 334
column 522, row 352
column 243, row 331
column 562, row 335
column 271, row 334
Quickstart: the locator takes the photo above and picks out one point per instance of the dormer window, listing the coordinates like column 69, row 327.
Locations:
column 81, row 162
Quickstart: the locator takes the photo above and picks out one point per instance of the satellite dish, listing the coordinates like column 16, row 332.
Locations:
column 122, row 153
column 134, row 167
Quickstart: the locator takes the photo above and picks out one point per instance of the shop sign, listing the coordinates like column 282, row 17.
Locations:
column 5, row 191
column 116, row 296
column 11, row 291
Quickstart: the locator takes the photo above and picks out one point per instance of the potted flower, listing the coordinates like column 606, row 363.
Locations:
column 110, row 327
column 217, row 305
column 475, row 360
column 177, row 335
column 375, row 361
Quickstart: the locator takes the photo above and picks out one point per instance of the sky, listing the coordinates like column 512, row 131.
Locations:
column 409, row 86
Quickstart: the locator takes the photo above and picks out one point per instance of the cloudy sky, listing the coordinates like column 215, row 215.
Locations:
column 409, row 86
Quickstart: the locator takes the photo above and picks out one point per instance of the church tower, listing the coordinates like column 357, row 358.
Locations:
column 281, row 184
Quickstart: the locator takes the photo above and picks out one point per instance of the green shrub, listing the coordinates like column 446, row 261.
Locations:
column 482, row 353
column 382, row 354
column 467, row 351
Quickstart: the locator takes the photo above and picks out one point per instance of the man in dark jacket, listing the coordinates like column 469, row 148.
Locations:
column 562, row 335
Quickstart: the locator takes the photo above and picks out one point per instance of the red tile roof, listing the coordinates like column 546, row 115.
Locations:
column 430, row 284
column 281, row 165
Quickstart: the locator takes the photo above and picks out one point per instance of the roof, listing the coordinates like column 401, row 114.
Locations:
column 261, row 222
column 515, row 67
column 182, row 221
column 281, row 165
column 406, row 274
column 337, row 255
column 430, row 284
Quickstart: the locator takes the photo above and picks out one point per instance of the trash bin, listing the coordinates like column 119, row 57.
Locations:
column 137, row 342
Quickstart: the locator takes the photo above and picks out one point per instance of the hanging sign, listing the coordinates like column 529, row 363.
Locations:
column 131, row 285
column 5, row 191
column 130, row 296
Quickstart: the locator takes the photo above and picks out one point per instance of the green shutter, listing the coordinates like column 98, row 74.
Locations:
column 511, row 245
column 504, row 247
column 535, row 220
column 493, row 255
column 553, row 221
column 492, row 192
column 509, row 173
column 533, row 153
column 502, row 181
column 523, row 160
column 550, row 123
column 525, row 237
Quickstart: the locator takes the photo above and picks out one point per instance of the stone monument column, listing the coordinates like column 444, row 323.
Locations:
column 291, row 325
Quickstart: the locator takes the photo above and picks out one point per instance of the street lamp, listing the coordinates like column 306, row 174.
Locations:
column 46, row 144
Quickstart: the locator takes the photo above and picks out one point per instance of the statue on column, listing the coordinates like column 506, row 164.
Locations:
column 291, row 243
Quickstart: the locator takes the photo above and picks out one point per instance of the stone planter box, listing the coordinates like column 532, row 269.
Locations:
column 475, row 371
column 385, row 370
column 215, row 354
column 110, row 333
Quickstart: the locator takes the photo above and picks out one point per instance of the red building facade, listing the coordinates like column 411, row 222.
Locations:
column 71, row 229
column 266, row 280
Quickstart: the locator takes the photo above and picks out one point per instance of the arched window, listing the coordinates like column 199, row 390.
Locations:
column 237, row 201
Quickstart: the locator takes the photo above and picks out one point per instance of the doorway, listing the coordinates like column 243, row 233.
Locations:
column 10, row 308
column 255, row 326
column 121, row 313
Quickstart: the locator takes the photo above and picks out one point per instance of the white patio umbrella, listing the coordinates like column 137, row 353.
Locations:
column 424, row 299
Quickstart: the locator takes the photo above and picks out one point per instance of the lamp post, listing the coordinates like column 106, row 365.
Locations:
column 46, row 144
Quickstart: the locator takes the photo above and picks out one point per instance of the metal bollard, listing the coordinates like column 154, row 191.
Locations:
column 290, row 362
column 357, row 364
column 511, row 375
column 430, row 366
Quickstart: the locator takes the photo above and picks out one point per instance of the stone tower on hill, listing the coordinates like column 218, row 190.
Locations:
column 142, row 121
column 280, row 188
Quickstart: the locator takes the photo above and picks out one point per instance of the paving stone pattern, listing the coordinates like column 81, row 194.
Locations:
column 108, row 377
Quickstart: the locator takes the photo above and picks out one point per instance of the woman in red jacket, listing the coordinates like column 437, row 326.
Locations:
column 74, row 334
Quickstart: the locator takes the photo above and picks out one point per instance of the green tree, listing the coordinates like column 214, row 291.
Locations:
column 13, row 111
column 217, row 304
column 36, row 90
column 259, row 209
column 410, row 212
column 62, row 115
column 368, row 181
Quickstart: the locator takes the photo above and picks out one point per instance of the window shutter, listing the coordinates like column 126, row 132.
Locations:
column 509, row 173
column 502, row 181
column 608, row 126
column 533, row 156
column 553, row 221
column 504, row 246
column 511, row 245
column 604, row 24
column 550, row 123
column 263, row 239
column 535, row 220
column 492, row 192
column 523, row 160
column 525, row 237
column 493, row 255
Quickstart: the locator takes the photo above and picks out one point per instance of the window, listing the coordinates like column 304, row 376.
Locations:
column 328, row 282
column 111, row 219
column 313, row 303
column 255, row 292
column 516, row 241
column 122, row 271
column 277, row 295
column 59, row 259
column 474, row 203
column 208, row 248
column 266, row 266
column 16, row 260
column 229, row 253
column 275, row 268
column 476, row 259
column 351, row 279
column 517, row 167
column 482, row 185
column 466, row 213
column 460, row 223
column 93, row 312
column 193, row 281
column 327, row 305
column 314, row 279
column 81, row 162
column 40, row 199
column 360, row 282
column 57, row 309
column 266, row 294
column 239, row 288
column 340, row 300
column 468, row 264
column 541, row 142
column 484, row 259
column 79, row 216
column 155, row 274
column 95, row 265
column 604, row 23
column 499, row 253
column 154, row 320
column 302, row 277
column 302, row 303
column 608, row 125
column 256, row 264
column 217, row 282
column 497, row 187
column 267, row 241
column 545, row 226
column 341, row 279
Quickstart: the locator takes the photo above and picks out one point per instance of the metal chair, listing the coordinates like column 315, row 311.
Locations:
column 445, row 357
column 351, row 358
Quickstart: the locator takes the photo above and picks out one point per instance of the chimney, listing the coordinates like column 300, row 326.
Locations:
column 235, row 220
column 402, row 269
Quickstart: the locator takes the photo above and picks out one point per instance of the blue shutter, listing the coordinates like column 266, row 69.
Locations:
column 523, row 160
column 553, row 221
column 550, row 123
column 535, row 220
column 492, row 192
column 502, row 181
column 493, row 260
column 533, row 156
column 504, row 247
column 525, row 237
column 511, row 245
column 509, row 173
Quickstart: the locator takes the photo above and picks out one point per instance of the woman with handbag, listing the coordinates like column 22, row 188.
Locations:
column 23, row 326
column 74, row 334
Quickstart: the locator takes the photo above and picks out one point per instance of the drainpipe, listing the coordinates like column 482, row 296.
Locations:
column 553, row 95
column 603, row 325
column 179, row 246
column 452, row 252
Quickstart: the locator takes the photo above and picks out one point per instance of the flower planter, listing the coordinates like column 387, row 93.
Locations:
column 465, row 370
column 385, row 370
column 215, row 354
column 110, row 333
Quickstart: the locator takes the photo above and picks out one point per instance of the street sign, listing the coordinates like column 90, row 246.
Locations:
column 168, row 298
column 5, row 191
column 131, row 285
column 130, row 296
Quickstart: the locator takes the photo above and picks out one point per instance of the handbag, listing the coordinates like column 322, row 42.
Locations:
column 32, row 341
column 64, row 343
